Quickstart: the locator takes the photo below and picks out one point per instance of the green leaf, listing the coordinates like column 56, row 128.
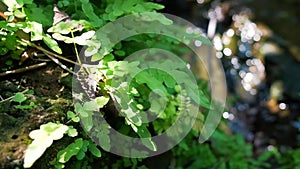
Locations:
column 35, row 150
column 52, row 44
column 96, row 57
column 80, row 40
column 143, row 167
column 94, row 150
column 55, row 131
column 91, row 50
column 149, row 144
column 72, row 132
column 19, row 14
column 169, row 81
column 63, row 3
column 60, row 37
column 157, row 105
column 41, row 15
column 146, row 138
column 71, row 150
column 72, row 116
column 30, row 92
column 153, row 6
column 104, row 139
column 90, row 106
column 120, row 53
column 85, row 144
column 36, row 134
column 12, row 4
column 88, row 10
column 159, row 17
column 87, row 35
column 87, row 121
column 30, row 106
column 43, row 138
column 80, row 110
column 80, row 155
column 10, row 18
column 83, row 38
column 75, row 119
column 67, row 27
column 8, row 62
column 204, row 100
column 86, row 113
column 151, row 79
column 101, row 101
column 36, row 30
column 27, row 2
column 19, row 97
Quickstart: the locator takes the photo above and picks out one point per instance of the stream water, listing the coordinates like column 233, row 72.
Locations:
column 261, row 60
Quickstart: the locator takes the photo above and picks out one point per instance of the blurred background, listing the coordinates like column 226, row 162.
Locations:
column 258, row 44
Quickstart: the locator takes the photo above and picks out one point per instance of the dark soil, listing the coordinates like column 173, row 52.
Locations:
column 52, row 98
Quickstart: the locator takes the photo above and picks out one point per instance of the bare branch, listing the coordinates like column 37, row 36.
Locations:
column 23, row 69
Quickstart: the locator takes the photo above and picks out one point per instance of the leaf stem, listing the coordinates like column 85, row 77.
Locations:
column 50, row 53
column 76, row 51
column 77, row 55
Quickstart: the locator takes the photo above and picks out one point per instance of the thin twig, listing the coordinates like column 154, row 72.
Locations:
column 50, row 53
column 60, row 64
column 23, row 69
column 11, row 97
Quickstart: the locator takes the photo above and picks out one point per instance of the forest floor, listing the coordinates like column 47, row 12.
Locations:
column 52, row 98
